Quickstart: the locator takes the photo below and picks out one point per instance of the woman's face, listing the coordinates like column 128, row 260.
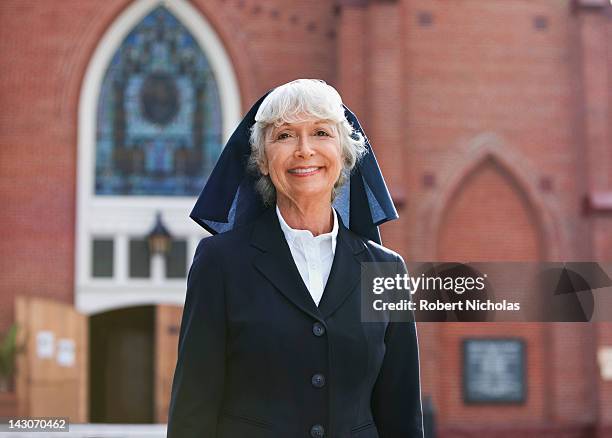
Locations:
column 303, row 160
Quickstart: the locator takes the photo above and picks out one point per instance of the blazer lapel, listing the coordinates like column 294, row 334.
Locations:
column 345, row 271
column 277, row 265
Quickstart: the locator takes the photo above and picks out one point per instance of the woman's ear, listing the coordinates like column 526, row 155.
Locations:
column 263, row 167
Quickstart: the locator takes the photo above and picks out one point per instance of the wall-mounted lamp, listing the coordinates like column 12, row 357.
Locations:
column 159, row 237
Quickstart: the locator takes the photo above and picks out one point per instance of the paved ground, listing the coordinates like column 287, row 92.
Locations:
column 98, row 431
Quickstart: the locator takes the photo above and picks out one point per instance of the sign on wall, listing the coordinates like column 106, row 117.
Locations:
column 604, row 356
column 45, row 344
column 494, row 370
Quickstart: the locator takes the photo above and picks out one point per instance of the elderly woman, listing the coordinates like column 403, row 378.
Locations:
column 272, row 344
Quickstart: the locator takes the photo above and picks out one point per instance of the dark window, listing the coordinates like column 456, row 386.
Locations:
column 102, row 258
column 176, row 260
column 140, row 259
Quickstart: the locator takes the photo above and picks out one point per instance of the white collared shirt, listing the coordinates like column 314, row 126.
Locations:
column 313, row 255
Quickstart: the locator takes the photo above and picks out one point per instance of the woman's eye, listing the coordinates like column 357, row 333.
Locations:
column 283, row 135
column 321, row 132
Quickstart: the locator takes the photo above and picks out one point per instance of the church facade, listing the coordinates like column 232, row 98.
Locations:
column 490, row 121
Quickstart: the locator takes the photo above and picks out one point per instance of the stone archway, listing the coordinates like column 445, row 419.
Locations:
column 517, row 171
column 488, row 217
column 488, row 208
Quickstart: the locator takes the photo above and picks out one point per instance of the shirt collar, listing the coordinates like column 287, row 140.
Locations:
column 291, row 233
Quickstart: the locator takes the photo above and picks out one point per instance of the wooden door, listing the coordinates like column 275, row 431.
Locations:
column 122, row 365
column 52, row 371
column 167, row 327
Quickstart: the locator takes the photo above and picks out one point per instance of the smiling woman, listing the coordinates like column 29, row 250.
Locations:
column 271, row 342
column 303, row 149
column 304, row 162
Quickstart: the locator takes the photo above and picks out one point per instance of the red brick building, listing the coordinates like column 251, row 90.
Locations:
column 490, row 119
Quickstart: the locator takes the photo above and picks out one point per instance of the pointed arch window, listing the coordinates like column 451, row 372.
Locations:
column 159, row 121
column 159, row 99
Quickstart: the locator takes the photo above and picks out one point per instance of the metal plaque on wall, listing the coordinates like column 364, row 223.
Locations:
column 494, row 370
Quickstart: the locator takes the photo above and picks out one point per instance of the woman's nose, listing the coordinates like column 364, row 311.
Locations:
column 304, row 148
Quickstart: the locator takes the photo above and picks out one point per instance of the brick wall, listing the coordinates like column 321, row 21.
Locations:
column 45, row 50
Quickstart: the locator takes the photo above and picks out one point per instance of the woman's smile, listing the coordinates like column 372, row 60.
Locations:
column 301, row 172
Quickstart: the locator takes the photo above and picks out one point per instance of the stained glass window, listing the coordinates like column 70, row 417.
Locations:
column 159, row 113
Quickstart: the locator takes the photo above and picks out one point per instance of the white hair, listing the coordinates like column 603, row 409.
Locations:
column 294, row 102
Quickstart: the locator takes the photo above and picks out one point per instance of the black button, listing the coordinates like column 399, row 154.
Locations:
column 318, row 329
column 318, row 380
column 317, row 431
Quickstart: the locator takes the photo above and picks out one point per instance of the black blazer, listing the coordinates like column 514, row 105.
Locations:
column 258, row 359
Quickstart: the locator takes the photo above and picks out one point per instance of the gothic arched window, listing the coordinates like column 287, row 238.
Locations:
column 159, row 128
